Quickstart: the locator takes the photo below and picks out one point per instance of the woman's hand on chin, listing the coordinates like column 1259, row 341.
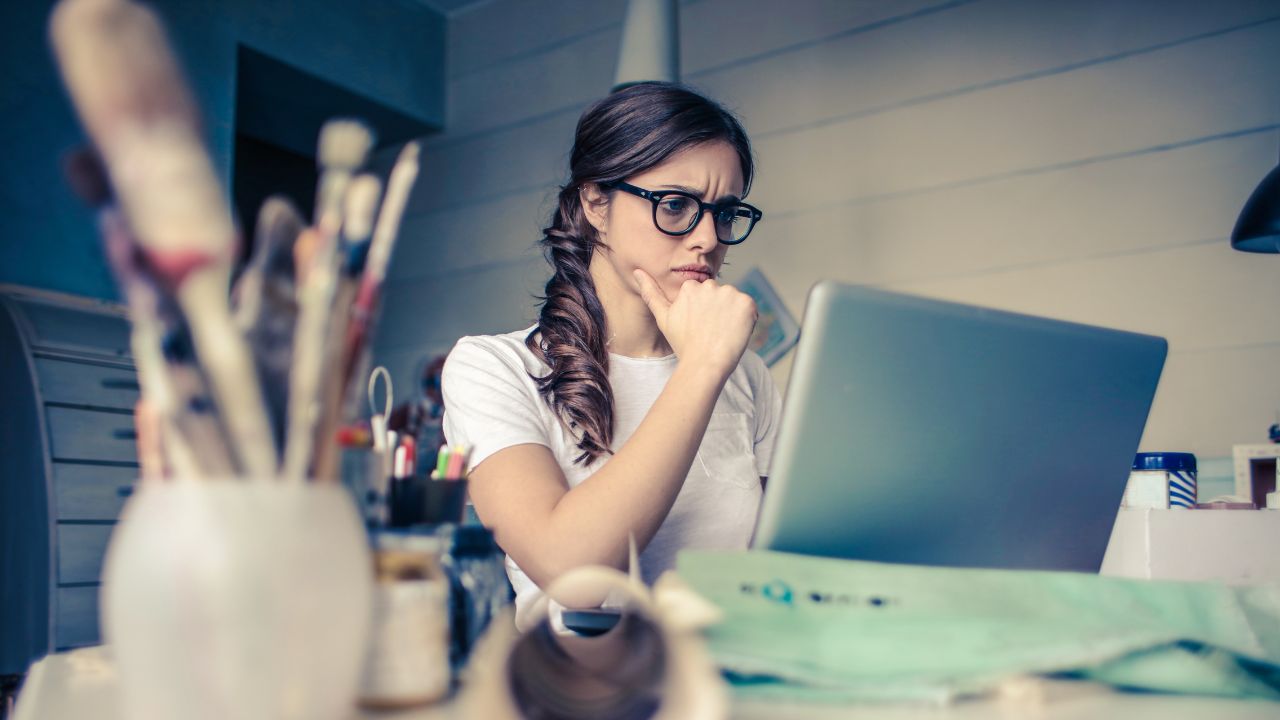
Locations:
column 705, row 323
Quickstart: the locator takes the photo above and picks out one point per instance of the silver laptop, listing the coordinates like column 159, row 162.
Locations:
column 920, row 431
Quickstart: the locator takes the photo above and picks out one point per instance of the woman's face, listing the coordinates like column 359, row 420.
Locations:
column 710, row 171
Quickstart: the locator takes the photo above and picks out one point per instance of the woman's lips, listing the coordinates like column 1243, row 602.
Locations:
column 693, row 274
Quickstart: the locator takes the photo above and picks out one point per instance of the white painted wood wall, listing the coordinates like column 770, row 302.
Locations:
column 1083, row 160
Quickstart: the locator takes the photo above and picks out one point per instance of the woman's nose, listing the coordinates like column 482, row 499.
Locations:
column 703, row 235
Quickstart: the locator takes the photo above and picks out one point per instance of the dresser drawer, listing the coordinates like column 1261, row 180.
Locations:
column 91, row 435
column 58, row 327
column 66, row 381
column 77, row 619
column 91, row 492
column 80, row 552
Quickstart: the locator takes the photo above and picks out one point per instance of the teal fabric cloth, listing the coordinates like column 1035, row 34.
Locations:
column 804, row 627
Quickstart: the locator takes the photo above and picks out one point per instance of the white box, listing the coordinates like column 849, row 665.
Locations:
column 1246, row 458
column 1238, row 547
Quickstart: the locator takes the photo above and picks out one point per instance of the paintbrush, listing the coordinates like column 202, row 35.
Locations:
column 117, row 66
column 266, row 306
column 357, row 355
column 174, row 391
column 360, row 206
column 343, row 147
column 126, row 87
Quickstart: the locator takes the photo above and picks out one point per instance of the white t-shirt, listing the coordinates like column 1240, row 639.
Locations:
column 492, row 402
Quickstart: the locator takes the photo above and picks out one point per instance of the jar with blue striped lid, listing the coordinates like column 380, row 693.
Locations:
column 1162, row 480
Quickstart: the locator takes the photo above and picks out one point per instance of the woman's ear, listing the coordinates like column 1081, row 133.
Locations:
column 595, row 206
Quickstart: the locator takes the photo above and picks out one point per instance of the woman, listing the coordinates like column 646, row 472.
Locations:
column 630, row 408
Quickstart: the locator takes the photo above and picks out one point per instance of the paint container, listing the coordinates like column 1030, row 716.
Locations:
column 407, row 660
column 1162, row 480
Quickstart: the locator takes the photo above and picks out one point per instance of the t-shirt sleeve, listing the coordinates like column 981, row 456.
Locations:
column 489, row 401
column 768, row 402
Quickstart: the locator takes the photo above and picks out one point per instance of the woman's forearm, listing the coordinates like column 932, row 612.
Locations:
column 634, row 491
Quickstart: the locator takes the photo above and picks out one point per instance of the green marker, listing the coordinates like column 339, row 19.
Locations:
column 442, row 461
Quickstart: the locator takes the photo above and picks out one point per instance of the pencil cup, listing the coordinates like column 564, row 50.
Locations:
column 238, row 599
column 446, row 501
column 419, row 499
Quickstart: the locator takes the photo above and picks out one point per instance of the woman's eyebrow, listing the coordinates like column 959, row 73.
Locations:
column 697, row 192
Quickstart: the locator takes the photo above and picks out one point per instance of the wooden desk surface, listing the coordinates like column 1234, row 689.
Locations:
column 81, row 685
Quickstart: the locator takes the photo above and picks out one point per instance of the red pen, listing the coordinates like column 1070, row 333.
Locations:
column 410, row 447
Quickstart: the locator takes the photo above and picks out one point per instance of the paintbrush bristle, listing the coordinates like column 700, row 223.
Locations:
column 87, row 177
column 344, row 144
column 361, row 203
column 278, row 226
column 119, row 69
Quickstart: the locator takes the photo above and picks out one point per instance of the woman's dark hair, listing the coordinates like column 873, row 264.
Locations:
column 625, row 133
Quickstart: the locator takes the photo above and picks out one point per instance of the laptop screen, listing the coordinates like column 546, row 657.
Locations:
column 922, row 431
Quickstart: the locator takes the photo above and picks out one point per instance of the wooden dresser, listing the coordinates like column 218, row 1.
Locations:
column 67, row 463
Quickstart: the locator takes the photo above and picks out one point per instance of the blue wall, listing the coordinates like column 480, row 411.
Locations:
column 389, row 51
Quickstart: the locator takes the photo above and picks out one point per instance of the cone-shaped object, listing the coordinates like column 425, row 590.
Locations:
column 650, row 43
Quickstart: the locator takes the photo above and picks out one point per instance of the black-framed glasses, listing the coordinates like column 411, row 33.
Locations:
column 676, row 212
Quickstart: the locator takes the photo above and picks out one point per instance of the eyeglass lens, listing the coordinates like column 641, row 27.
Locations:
column 676, row 214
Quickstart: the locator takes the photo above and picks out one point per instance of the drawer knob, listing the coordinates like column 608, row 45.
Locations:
column 120, row 384
column 125, row 434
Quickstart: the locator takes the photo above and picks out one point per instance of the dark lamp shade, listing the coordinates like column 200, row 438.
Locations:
column 1258, row 228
